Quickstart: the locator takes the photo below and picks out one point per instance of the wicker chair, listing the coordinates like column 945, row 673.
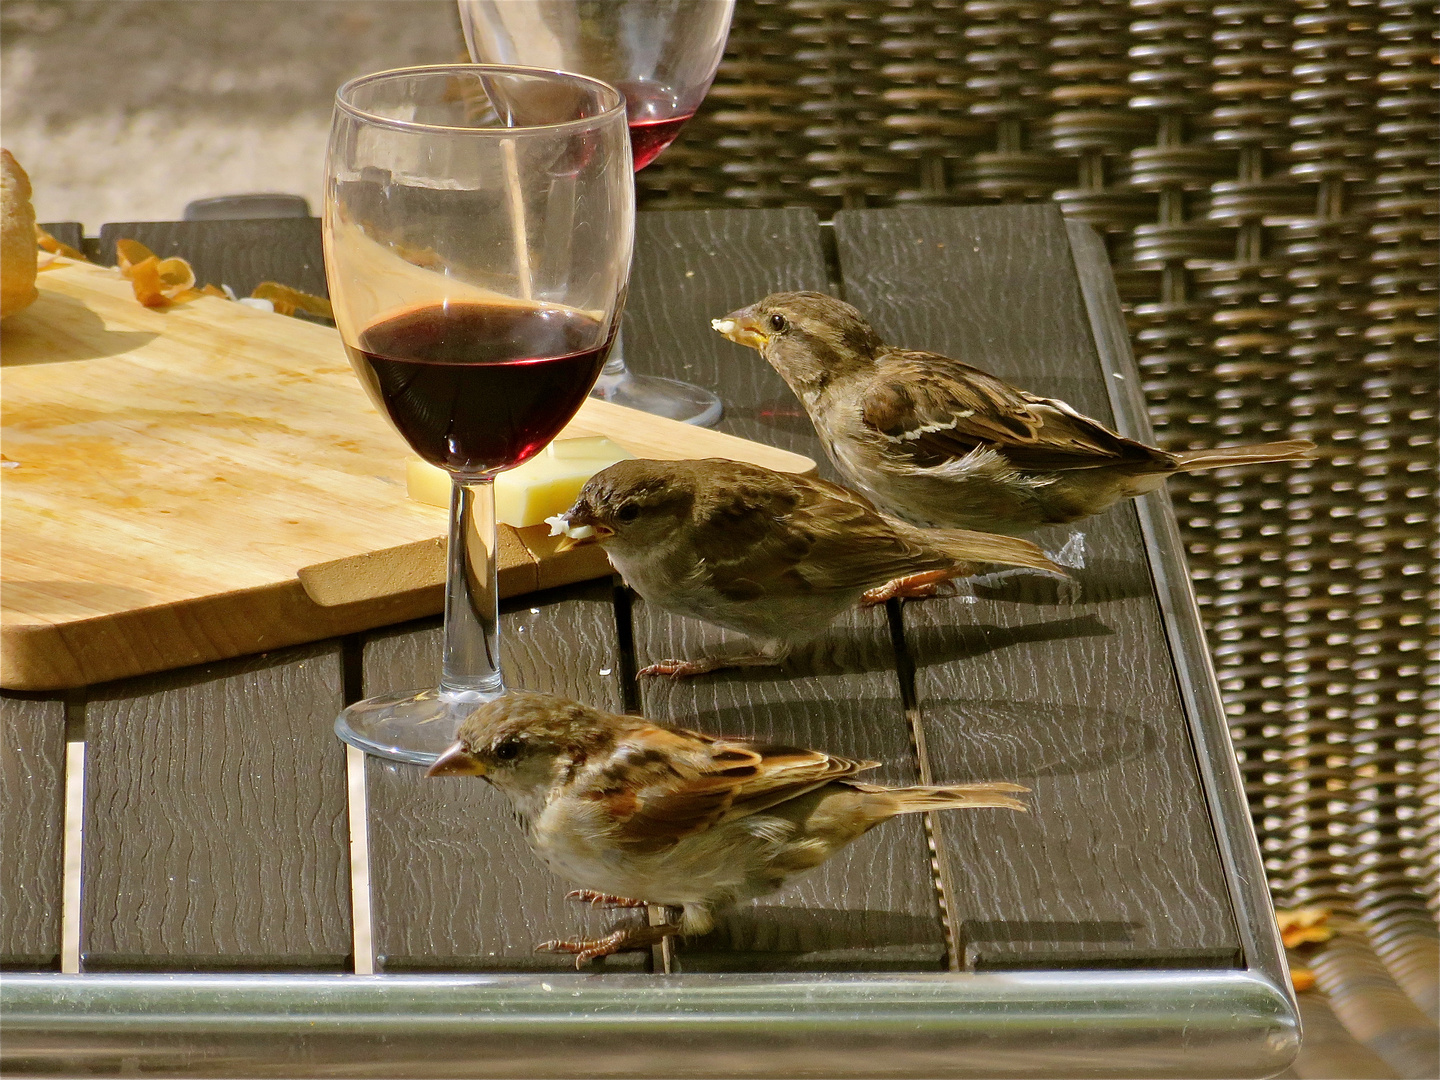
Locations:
column 1265, row 172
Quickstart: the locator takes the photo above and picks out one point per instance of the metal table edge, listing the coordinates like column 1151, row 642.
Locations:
column 1102, row 1023
column 1223, row 787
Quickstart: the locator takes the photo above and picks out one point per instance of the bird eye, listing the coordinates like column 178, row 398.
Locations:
column 508, row 748
column 778, row 323
column 628, row 513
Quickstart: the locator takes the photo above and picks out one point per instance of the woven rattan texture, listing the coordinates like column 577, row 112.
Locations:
column 1265, row 173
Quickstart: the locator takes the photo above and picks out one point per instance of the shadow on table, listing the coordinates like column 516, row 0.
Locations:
column 32, row 336
column 768, row 936
column 1030, row 738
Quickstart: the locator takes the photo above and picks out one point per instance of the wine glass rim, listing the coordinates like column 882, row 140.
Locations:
column 455, row 69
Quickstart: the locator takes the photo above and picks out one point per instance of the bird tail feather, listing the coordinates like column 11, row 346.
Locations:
column 1255, row 454
column 975, row 547
column 917, row 800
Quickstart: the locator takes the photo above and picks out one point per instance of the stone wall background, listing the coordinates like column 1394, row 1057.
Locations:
column 125, row 110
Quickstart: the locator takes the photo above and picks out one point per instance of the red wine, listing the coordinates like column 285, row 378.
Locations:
column 656, row 115
column 649, row 137
column 476, row 388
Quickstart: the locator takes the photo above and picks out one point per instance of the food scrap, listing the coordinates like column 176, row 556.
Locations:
column 157, row 282
column 48, row 243
column 287, row 300
column 560, row 526
column 1304, row 926
column 1301, row 927
column 162, row 282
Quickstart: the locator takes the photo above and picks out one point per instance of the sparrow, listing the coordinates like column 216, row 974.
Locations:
column 773, row 555
column 637, row 812
column 943, row 444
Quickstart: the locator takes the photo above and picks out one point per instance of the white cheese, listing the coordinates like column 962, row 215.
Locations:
column 560, row 526
column 543, row 487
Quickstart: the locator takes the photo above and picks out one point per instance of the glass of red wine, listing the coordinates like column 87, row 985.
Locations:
column 479, row 221
column 662, row 55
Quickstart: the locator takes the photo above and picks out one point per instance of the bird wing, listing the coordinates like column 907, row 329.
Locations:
column 931, row 409
column 669, row 783
column 767, row 534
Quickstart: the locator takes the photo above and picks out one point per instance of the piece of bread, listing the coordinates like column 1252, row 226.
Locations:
column 18, row 252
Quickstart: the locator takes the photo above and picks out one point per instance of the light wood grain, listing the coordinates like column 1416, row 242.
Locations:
column 169, row 475
column 454, row 885
column 1071, row 691
column 32, row 822
column 216, row 831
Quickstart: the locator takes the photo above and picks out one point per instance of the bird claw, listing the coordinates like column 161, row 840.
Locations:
column 600, row 899
column 587, row 949
column 685, row 669
column 914, row 587
column 682, row 669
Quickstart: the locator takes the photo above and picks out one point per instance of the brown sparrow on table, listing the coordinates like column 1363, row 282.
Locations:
column 641, row 813
column 773, row 555
column 943, row 444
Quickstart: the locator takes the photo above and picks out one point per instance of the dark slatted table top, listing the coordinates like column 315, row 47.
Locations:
column 216, row 835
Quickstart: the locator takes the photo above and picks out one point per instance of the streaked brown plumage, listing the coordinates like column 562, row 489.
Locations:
column 773, row 555
column 941, row 443
column 638, row 812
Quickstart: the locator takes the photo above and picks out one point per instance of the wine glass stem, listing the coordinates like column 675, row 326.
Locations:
column 470, row 670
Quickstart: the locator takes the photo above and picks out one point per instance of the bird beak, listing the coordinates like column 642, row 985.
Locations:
column 742, row 327
column 579, row 527
column 456, row 761
column 595, row 535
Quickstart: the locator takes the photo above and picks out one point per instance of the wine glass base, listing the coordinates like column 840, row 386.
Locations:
column 414, row 726
column 670, row 398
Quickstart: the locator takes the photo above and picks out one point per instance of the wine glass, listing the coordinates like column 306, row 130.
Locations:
column 662, row 55
column 479, row 221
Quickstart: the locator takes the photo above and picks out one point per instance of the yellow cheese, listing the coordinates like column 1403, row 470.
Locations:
column 426, row 484
column 545, row 485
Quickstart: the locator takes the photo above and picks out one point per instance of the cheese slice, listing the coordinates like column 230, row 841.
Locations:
column 544, row 486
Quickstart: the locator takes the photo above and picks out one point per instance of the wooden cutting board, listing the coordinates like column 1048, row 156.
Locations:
column 209, row 481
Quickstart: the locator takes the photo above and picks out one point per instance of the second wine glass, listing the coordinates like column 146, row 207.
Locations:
column 479, row 222
column 662, row 55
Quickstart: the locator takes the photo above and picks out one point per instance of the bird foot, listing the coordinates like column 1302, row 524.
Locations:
column 600, row 899
column 913, row 587
column 633, row 937
column 686, row 669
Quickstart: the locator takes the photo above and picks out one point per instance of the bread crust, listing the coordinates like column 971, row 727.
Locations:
column 18, row 252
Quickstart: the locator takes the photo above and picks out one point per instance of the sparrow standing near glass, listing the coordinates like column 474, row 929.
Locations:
column 642, row 813
column 943, row 444
column 773, row 555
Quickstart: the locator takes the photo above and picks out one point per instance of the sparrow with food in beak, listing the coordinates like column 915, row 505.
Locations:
column 640, row 813
column 943, row 444
column 773, row 555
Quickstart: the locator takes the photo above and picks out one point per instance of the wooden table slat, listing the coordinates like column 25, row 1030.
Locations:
column 215, row 830
column 874, row 907
column 32, row 821
column 1068, row 690
column 453, row 884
